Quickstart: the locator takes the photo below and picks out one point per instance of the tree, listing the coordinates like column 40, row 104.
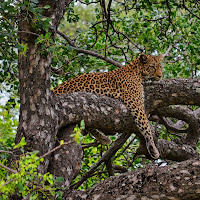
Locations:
column 46, row 121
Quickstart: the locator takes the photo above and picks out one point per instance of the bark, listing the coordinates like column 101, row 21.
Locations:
column 180, row 181
column 66, row 162
column 38, row 121
column 172, row 92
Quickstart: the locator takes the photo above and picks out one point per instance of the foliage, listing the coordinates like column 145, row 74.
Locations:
column 78, row 137
column 24, row 178
column 8, row 126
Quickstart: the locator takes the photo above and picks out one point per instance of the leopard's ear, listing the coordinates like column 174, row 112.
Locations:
column 160, row 57
column 143, row 58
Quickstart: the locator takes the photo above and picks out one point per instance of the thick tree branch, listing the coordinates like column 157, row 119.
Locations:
column 115, row 117
column 172, row 92
column 157, row 95
column 169, row 150
column 187, row 115
column 179, row 181
column 172, row 127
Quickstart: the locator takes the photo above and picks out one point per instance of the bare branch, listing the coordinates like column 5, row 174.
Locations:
column 189, row 10
column 187, row 115
column 92, row 53
column 109, row 167
column 8, row 168
column 108, row 14
column 3, row 151
column 172, row 127
column 58, row 71
column 169, row 13
column 168, row 50
column 54, row 149
column 172, row 92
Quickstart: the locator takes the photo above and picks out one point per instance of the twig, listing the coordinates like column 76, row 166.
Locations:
column 108, row 14
column 126, row 147
column 125, row 36
column 8, row 168
column 6, row 183
column 28, row 32
column 46, row 154
column 189, row 10
column 92, row 144
column 169, row 48
column 134, row 158
column 169, row 12
column 57, row 71
column 3, row 151
column 56, row 148
column 154, row 20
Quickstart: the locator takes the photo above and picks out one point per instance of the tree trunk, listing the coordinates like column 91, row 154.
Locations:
column 38, row 118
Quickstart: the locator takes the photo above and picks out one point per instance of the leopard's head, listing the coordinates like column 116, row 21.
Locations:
column 150, row 66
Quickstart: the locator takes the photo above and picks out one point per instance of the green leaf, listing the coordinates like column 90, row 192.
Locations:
column 47, row 7
column 59, row 179
column 20, row 187
column 21, row 144
column 61, row 142
column 35, row 1
column 82, row 125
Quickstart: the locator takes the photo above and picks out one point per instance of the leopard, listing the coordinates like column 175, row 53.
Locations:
column 126, row 84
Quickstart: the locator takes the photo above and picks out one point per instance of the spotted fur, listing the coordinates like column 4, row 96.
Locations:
column 126, row 84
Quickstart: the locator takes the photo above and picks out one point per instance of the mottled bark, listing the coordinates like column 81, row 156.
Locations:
column 38, row 119
column 178, row 182
column 172, row 92
column 38, row 122
column 66, row 162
